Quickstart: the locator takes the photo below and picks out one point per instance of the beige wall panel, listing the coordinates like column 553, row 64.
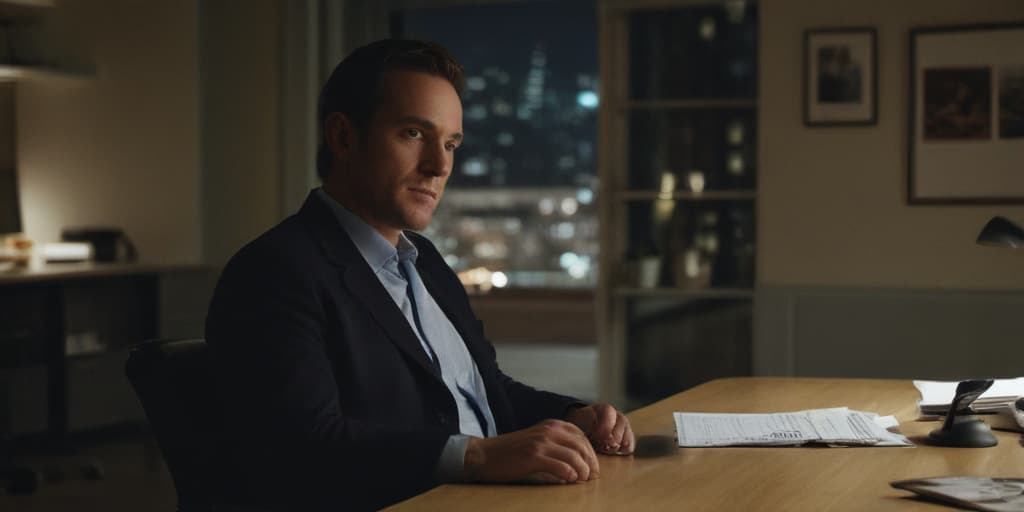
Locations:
column 241, row 123
column 122, row 148
column 832, row 201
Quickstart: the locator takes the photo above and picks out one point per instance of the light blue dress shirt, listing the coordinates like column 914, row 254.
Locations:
column 395, row 268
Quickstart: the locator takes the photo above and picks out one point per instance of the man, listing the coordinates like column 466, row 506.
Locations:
column 353, row 373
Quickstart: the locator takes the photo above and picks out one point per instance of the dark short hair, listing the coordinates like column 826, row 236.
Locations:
column 354, row 86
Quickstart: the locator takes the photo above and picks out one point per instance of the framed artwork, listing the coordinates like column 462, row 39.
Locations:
column 840, row 77
column 966, row 123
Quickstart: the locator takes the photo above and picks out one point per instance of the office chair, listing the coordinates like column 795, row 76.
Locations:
column 173, row 381
column 18, row 479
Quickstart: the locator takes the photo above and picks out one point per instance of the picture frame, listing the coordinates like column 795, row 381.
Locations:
column 966, row 114
column 840, row 76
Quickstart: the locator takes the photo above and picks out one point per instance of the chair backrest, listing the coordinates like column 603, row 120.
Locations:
column 174, row 382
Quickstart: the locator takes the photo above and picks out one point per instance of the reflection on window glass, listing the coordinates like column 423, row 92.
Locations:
column 670, row 347
column 702, row 245
column 698, row 52
column 521, row 200
column 719, row 144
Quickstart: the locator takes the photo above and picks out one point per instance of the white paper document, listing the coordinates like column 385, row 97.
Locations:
column 996, row 403
column 837, row 426
column 936, row 395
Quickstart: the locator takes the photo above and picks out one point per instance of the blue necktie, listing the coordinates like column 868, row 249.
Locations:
column 470, row 398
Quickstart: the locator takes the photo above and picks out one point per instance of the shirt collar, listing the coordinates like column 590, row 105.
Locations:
column 375, row 249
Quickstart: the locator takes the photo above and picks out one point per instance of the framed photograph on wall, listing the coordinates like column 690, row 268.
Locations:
column 966, row 123
column 840, row 77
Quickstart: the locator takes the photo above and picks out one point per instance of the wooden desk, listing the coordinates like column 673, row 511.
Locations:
column 813, row 478
column 65, row 332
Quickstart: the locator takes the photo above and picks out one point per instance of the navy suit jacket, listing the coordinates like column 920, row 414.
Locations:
column 329, row 400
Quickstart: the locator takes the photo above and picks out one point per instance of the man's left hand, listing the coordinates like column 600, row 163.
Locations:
column 607, row 428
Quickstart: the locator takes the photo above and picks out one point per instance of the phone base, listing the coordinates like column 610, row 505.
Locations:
column 965, row 432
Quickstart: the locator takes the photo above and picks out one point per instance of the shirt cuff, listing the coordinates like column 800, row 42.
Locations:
column 451, row 465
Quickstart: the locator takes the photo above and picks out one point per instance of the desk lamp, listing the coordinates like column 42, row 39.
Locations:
column 1001, row 232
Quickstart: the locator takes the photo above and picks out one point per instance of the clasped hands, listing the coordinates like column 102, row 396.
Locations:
column 552, row 451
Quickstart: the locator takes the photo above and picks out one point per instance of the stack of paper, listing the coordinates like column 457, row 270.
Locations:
column 834, row 427
column 997, row 403
column 936, row 396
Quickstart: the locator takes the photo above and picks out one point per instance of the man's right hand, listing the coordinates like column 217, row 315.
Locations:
column 551, row 451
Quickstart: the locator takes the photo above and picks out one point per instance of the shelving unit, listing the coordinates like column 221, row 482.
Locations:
column 708, row 293
column 678, row 172
column 28, row 48
column 65, row 333
column 64, row 329
column 64, row 348
column 725, row 103
column 713, row 195
column 27, row 3
column 10, row 72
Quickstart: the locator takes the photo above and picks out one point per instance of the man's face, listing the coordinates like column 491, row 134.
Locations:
column 398, row 166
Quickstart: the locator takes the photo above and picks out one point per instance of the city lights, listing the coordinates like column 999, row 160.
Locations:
column 734, row 135
column 735, row 163
column 707, row 28
column 569, row 206
column 499, row 279
column 524, row 190
column 546, row 206
column 476, row 83
column 501, row 108
column 505, row 139
column 587, row 99
column 568, row 259
column 474, row 167
column 476, row 112
column 696, row 181
column 563, row 230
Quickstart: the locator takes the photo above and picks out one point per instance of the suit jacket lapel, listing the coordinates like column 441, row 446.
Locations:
column 363, row 286
column 366, row 288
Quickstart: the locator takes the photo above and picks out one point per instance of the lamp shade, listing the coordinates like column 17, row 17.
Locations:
column 1001, row 232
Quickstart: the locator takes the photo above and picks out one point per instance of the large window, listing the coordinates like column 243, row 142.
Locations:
column 681, row 232
column 521, row 200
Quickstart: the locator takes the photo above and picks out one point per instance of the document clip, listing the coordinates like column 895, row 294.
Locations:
column 960, row 428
